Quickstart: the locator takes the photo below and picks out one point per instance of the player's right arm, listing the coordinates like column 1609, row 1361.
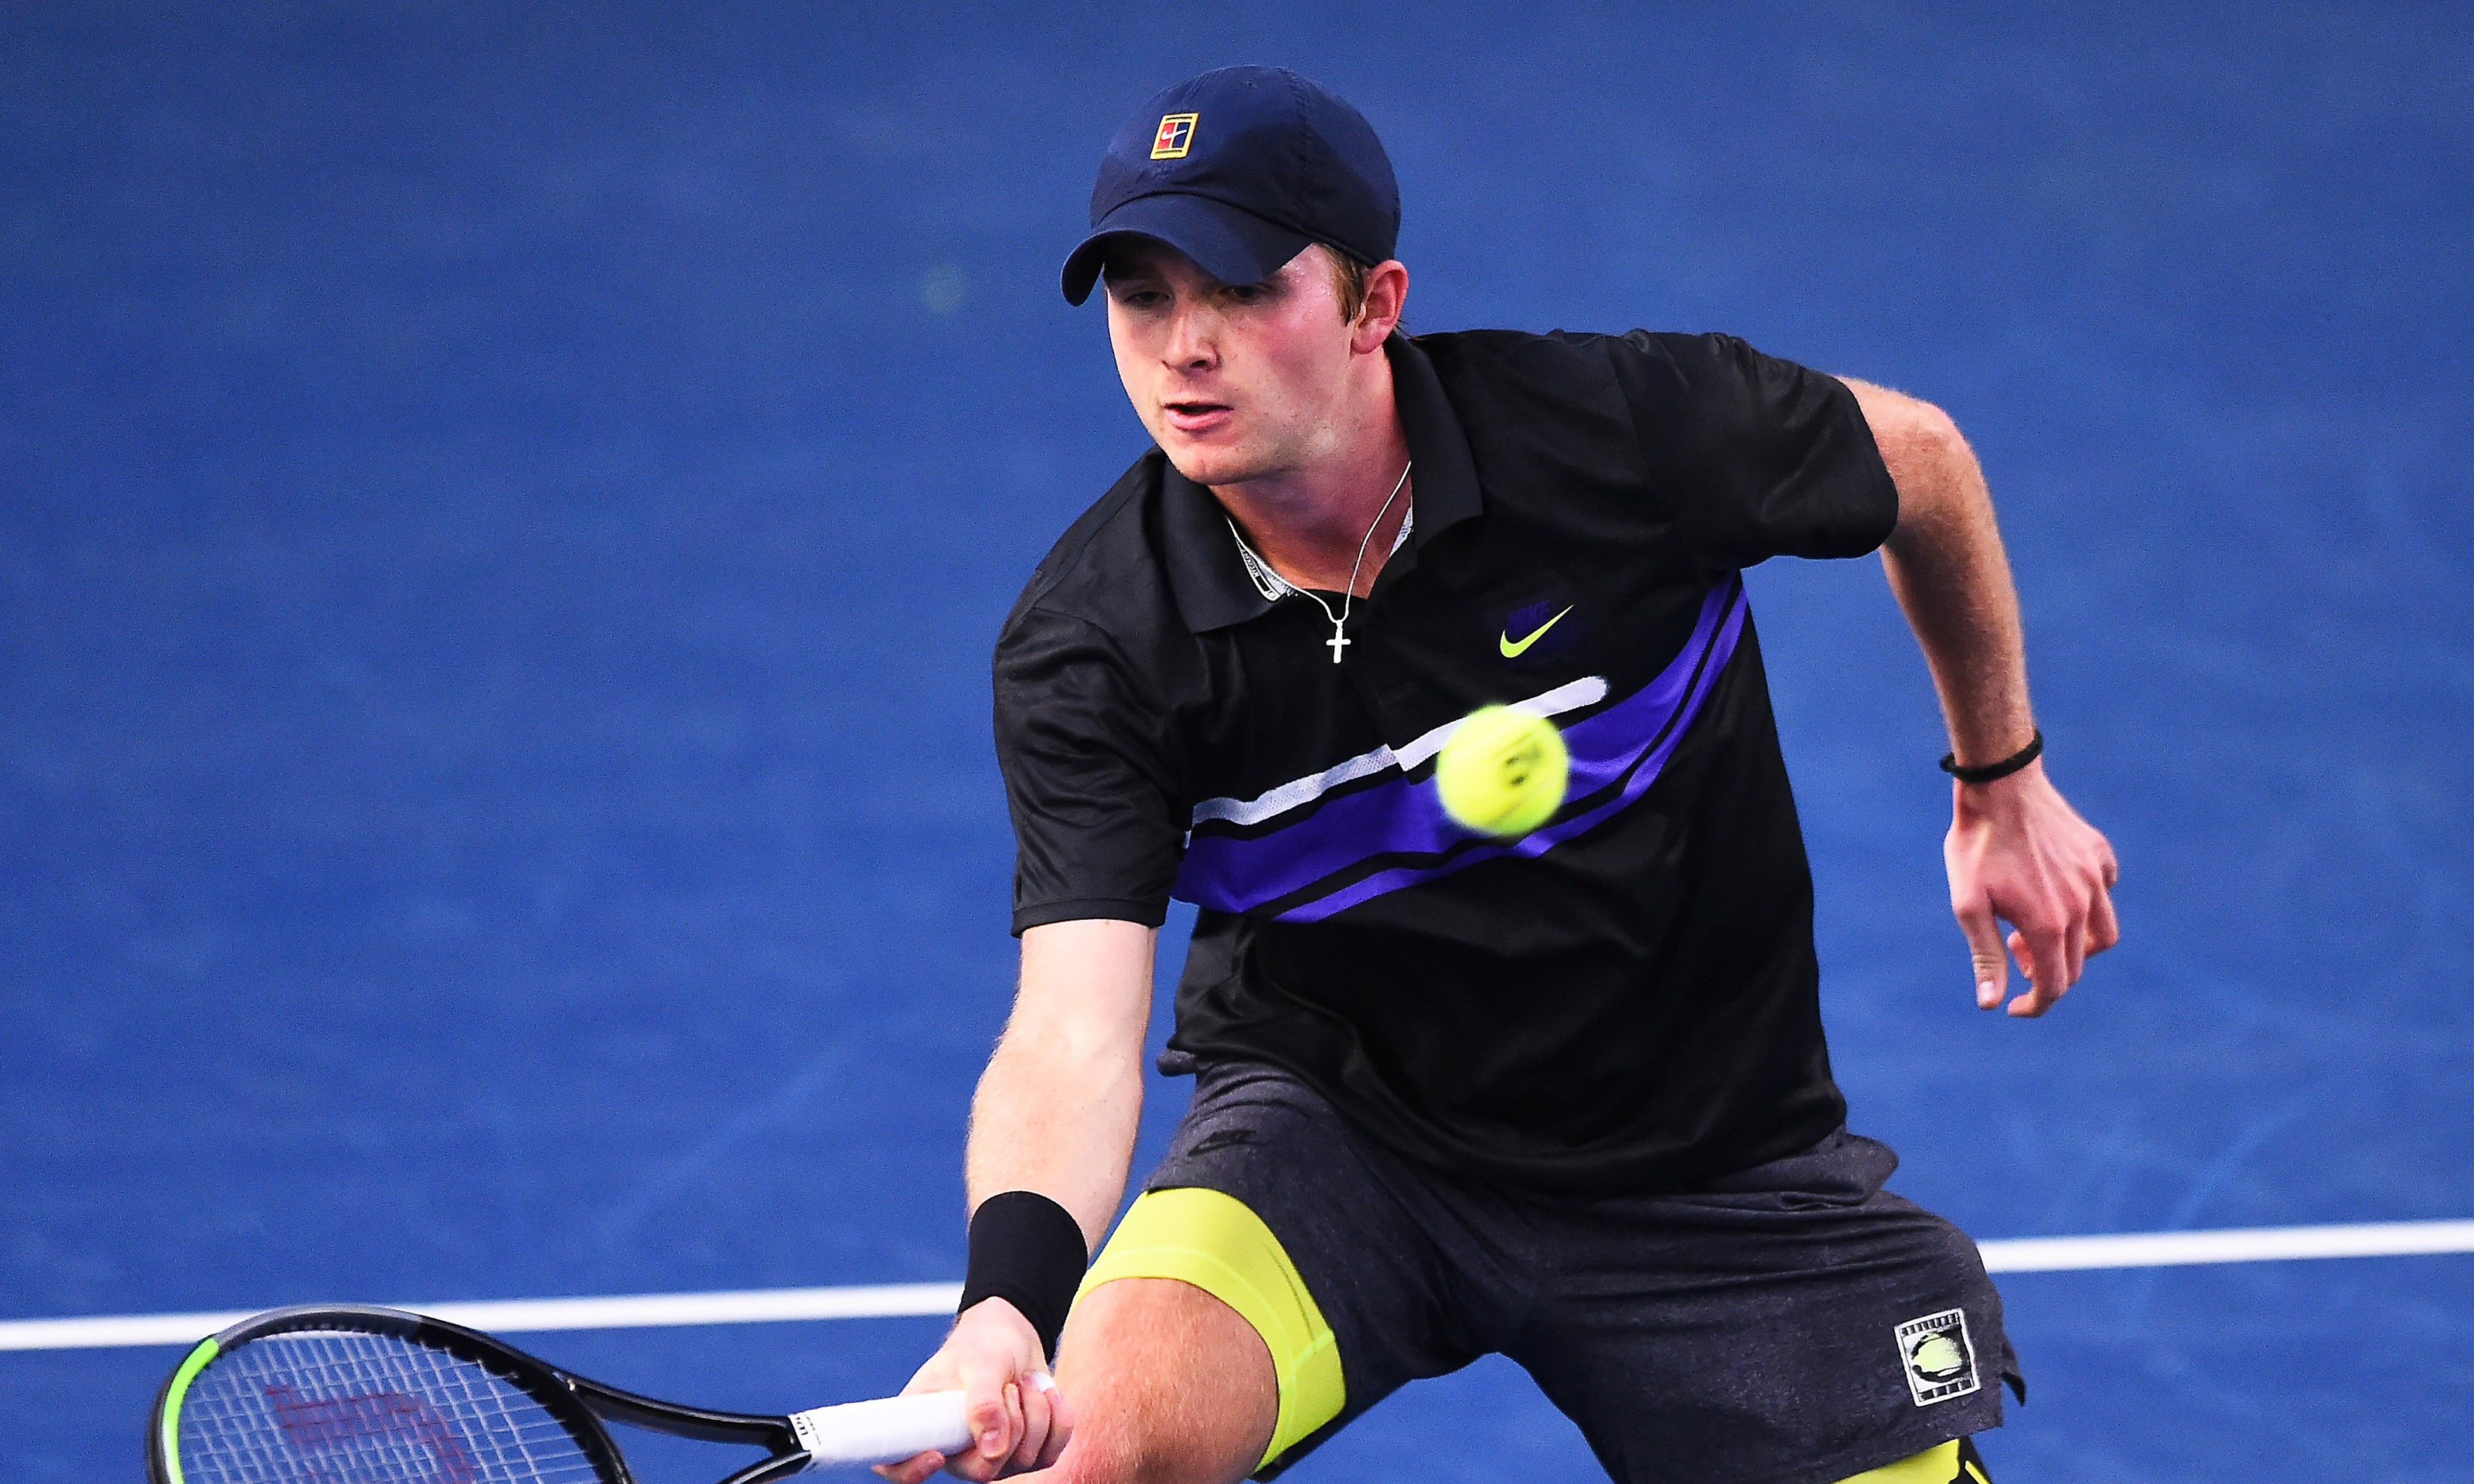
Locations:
column 1055, row 1114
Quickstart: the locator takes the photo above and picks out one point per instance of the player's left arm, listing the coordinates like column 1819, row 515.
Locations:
column 2017, row 852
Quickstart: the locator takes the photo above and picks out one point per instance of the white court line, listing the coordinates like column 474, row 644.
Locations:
column 515, row 1316
column 885, row 1300
column 2242, row 1244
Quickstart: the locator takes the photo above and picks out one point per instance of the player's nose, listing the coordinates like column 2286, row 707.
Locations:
column 1193, row 341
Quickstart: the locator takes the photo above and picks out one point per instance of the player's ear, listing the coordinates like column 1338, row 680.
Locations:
column 1387, row 294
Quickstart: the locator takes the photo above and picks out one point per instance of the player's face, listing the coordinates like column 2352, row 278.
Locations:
column 1235, row 381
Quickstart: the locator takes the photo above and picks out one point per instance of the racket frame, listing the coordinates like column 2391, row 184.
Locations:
column 579, row 1403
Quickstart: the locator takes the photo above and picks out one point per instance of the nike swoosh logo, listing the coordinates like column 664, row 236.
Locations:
column 1513, row 649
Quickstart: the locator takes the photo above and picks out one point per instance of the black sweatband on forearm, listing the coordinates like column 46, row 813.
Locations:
column 1027, row 1250
column 1994, row 772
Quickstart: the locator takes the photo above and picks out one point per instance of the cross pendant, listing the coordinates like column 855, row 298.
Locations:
column 1337, row 642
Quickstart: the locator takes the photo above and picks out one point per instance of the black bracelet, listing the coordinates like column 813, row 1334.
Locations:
column 1991, row 770
column 1027, row 1250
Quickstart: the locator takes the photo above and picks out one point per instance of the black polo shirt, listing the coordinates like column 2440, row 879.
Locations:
column 1626, row 997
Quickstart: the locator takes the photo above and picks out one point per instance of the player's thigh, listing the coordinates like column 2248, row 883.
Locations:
column 1168, row 1385
column 1800, row 1322
column 1323, row 1244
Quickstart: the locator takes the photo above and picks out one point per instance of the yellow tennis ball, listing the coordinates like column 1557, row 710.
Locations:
column 1503, row 772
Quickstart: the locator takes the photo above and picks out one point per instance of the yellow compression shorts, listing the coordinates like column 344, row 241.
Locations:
column 1949, row 1464
column 1217, row 1243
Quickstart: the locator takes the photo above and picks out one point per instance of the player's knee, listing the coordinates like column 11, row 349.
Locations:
column 1142, row 1456
column 1095, row 1460
column 1168, row 1385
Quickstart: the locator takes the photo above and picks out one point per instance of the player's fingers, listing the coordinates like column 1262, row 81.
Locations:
column 993, row 1419
column 1985, row 949
column 2104, row 929
column 2041, row 954
column 1060, row 1420
column 1034, row 1428
column 2075, row 950
column 912, row 1471
column 970, row 1464
column 2017, row 944
column 997, row 1448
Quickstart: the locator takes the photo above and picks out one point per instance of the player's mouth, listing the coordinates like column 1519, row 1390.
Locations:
column 1194, row 418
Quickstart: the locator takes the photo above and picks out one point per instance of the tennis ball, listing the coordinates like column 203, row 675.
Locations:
column 1503, row 772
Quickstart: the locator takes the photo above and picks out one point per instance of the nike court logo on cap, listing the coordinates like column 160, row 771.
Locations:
column 1513, row 649
column 1176, row 135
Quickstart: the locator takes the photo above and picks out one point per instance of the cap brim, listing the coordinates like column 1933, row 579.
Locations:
column 1232, row 246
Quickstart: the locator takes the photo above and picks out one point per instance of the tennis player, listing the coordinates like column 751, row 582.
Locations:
column 1562, row 1096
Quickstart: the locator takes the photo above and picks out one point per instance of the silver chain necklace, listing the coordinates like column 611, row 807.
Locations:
column 1273, row 587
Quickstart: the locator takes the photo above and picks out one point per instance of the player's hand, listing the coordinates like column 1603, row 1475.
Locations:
column 2018, row 852
column 994, row 1358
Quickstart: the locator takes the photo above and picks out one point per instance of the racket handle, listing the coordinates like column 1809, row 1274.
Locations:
column 881, row 1432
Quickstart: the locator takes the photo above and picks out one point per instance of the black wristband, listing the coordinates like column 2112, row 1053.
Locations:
column 1991, row 770
column 1027, row 1250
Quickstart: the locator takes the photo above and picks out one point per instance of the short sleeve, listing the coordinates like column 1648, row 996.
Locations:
column 1760, row 457
column 1088, row 776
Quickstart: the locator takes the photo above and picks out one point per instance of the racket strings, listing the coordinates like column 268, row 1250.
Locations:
column 342, row 1407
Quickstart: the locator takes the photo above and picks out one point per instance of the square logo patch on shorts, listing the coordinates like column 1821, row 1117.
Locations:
column 1936, row 1356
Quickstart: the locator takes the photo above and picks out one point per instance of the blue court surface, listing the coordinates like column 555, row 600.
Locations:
column 504, row 510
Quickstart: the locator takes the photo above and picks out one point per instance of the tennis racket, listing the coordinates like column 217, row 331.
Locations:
column 376, row 1396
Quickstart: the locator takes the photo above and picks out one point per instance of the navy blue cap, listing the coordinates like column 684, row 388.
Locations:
column 1239, row 170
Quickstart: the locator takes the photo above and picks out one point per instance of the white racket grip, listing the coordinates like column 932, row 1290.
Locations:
column 883, row 1432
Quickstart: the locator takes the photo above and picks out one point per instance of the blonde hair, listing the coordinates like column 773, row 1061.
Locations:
column 1349, row 277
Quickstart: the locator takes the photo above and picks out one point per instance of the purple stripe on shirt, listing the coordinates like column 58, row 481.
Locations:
column 1627, row 743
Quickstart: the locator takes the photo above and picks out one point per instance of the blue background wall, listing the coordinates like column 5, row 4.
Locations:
column 504, row 511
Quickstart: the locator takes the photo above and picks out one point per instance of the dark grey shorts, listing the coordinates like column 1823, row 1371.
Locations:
column 1793, row 1324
